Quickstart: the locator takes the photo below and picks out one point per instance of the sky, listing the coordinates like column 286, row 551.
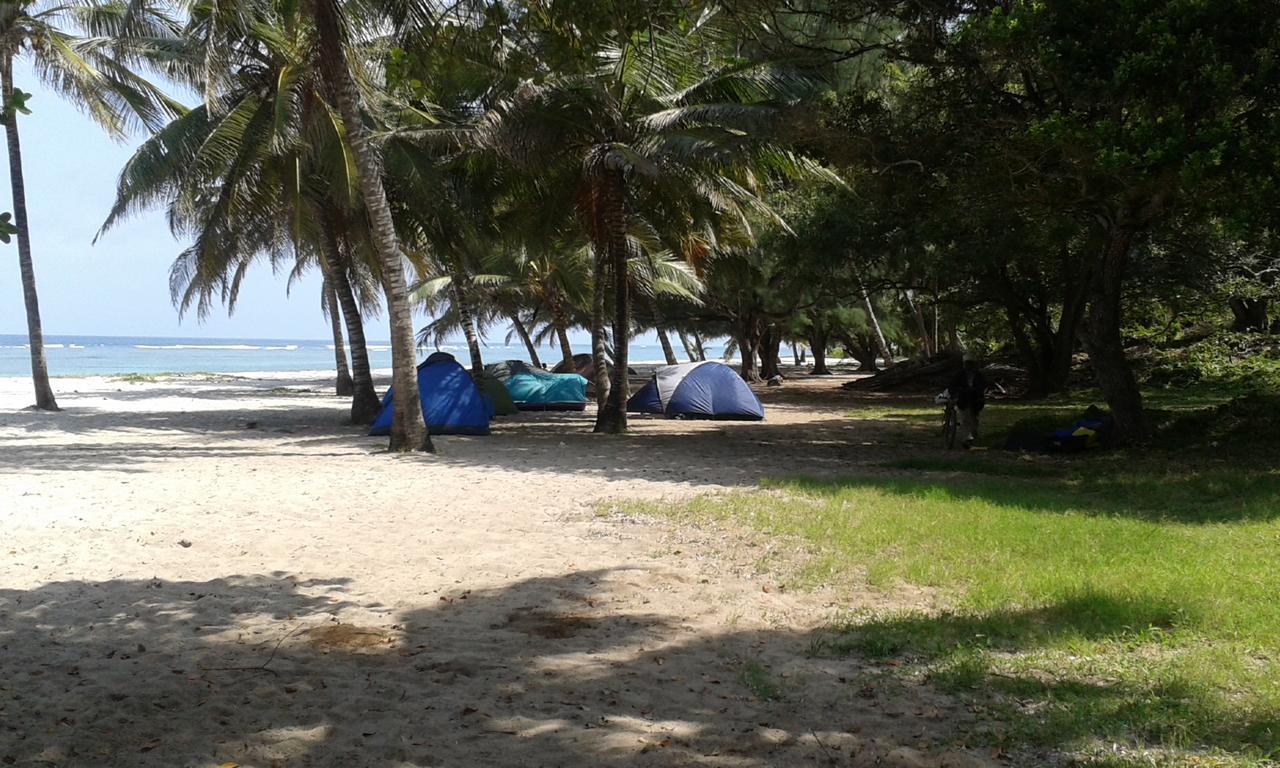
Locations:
column 118, row 287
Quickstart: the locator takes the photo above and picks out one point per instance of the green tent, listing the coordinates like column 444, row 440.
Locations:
column 497, row 394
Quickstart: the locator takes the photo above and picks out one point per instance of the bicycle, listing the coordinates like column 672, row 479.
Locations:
column 950, row 419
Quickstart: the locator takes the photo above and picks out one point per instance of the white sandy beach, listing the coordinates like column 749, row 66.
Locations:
column 202, row 571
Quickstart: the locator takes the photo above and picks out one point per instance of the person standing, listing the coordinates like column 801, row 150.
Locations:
column 969, row 390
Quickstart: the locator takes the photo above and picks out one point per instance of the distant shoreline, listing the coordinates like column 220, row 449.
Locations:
column 82, row 356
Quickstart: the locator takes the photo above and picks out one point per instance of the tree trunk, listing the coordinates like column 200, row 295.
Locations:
column 566, row 351
column 562, row 332
column 1105, row 344
column 749, row 348
column 343, row 385
column 45, row 400
column 523, row 333
column 337, row 266
column 599, row 359
column 861, row 347
column 698, row 347
column 1250, row 315
column 770, row 345
column 614, row 419
column 881, row 344
column 688, row 347
column 668, row 351
column 461, row 283
column 927, row 341
column 818, row 346
column 408, row 428
column 612, row 257
column 795, row 355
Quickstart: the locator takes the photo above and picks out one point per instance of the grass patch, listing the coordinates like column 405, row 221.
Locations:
column 141, row 378
column 152, row 378
column 757, row 679
column 977, row 465
column 1119, row 606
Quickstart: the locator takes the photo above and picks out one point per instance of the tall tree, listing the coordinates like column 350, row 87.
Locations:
column 335, row 44
column 672, row 135
column 84, row 51
column 258, row 172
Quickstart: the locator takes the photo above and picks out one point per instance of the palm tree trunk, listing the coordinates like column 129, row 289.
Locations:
column 408, row 428
column 697, row 346
column 523, row 333
column 566, row 351
column 461, row 296
column 562, row 333
column 668, row 351
column 612, row 418
column 598, row 359
column 45, row 400
column 688, row 348
column 343, row 386
column 364, row 398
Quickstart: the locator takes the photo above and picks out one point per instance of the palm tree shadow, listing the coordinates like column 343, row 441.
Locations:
column 271, row 670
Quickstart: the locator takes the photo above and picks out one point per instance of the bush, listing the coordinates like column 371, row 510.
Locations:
column 1247, row 422
column 1249, row 363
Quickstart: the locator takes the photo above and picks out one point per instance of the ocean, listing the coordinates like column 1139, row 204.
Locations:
column 118, row 355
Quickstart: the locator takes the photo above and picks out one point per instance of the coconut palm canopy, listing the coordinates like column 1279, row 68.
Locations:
column 867, row 176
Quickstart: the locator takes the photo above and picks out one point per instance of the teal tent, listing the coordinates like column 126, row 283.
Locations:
column 533, row 389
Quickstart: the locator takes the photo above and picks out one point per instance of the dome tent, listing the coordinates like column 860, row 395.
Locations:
column 497, row 399
column 451, row 402
column 533, row 389
column 496, row 395
column 585, row 366
column 705, row 390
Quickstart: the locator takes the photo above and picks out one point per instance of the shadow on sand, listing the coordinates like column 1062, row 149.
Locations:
column 257, row 670
column 823, row 443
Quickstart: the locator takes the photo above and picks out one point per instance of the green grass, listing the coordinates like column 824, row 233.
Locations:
column 1122, row 605
column 152, row 378
column 141, row 378
column 757, row 679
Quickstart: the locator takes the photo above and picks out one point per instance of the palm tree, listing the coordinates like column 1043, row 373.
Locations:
column 81, row 50
column 255, row 173
column 648, row 141
column 335, row 45
column 343, row 386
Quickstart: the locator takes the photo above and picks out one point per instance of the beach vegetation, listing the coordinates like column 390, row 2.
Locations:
column 1117, row 608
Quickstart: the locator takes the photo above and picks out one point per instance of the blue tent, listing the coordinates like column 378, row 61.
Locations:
column 706, row 390
column 451, row 402
column 534, row 389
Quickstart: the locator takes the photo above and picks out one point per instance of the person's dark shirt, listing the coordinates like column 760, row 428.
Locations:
column 969, row 388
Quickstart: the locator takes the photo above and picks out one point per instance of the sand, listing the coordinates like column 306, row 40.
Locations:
column 201, row 571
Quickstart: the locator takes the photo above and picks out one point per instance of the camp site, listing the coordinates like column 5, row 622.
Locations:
column 640, row 383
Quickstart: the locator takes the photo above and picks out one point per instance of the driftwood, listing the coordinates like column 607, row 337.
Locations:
column 935, row 371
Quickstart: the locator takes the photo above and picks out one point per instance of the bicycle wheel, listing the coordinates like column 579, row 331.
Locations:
column 949, row 427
